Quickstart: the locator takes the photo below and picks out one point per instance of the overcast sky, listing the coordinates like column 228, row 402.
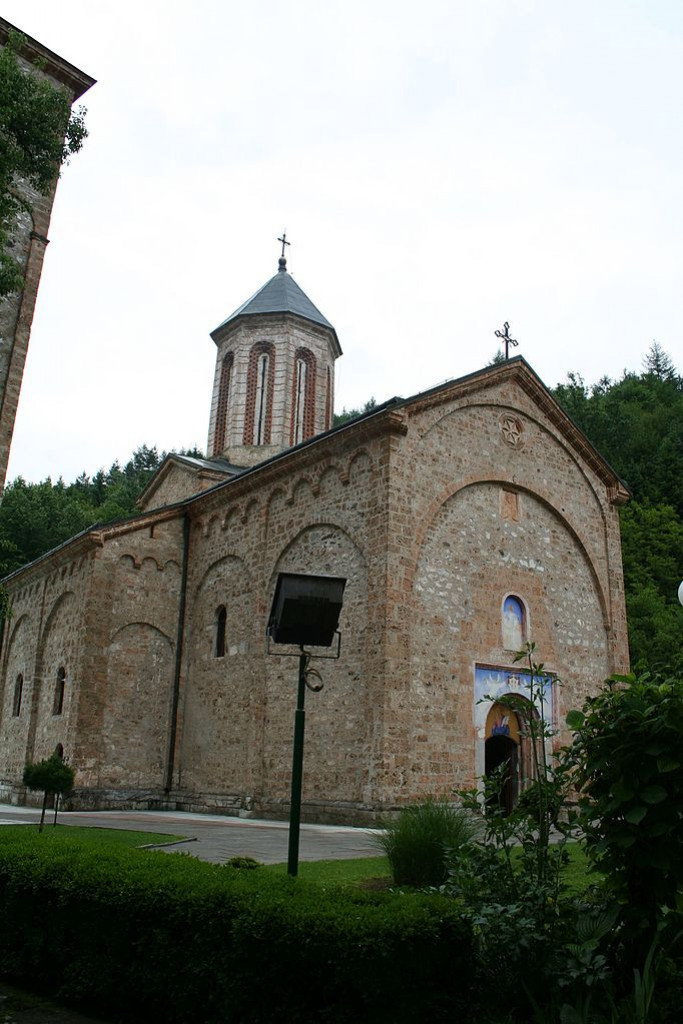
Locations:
column 440, row 167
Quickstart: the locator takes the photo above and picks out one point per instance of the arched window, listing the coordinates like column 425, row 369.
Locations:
column 303, row 397
column 18, row 694
column 259, row 406
column 221, row 617
column 60, row 686
column 59, row 751
column 514, row 623
column 222, row 407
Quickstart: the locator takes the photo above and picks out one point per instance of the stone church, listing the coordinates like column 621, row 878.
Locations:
column 466, row 520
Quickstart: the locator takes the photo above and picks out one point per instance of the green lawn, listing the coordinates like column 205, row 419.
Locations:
column 576, row 872
column 338, row 872
column 329, row 872
column 100, row 836
column 361, row 869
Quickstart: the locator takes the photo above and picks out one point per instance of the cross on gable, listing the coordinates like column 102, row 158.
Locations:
column 505, row 336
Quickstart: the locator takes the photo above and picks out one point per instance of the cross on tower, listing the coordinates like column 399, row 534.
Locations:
column 284, row 243
column 507, row 340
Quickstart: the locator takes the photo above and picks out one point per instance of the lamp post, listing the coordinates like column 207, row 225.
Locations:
column 680, row 592
column 305, row 610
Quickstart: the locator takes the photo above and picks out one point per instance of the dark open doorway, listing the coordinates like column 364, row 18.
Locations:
column 503, row 751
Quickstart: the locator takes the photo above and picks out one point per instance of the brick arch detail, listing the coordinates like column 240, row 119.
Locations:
column 154, row 630
column 450, row 492
column 20, row 622
column 307, row 357
column 231, row 561
column 250, row 408
column 504, row 407
column 298, row 532
column 65, row 598
column 43, row 675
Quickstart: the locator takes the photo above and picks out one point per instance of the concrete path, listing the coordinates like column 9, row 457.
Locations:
column 216, row 838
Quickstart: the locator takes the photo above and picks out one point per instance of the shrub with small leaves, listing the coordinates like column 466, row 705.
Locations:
column 627, row 756
column 247, row 863
column 421, row 839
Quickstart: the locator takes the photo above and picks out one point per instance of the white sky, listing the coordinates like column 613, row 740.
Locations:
column 439, row 167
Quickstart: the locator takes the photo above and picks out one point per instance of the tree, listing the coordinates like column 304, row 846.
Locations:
column 658, row 362
column 38, row 133
column 344, row 416
column 636, row 423
column 52, row 775
column 34, row 518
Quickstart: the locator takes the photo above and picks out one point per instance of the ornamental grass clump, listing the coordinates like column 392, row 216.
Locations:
column 420, row 841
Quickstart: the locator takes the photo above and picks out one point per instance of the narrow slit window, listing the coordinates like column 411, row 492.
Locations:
column 221, row 617
column 261, row 399
column 60, row 687
column 18, row 694
column 299, row 401
column 258, row 412
column 303, row 397
column 222, row 408
column 328, row 400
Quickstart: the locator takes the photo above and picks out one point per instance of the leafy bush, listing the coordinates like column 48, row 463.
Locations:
column 151, row 936
column 419, row 841
column 627, row 755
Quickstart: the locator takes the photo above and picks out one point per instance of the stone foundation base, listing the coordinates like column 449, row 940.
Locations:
column 228, row 804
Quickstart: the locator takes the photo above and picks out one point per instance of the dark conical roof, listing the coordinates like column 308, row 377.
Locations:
column 279, row 295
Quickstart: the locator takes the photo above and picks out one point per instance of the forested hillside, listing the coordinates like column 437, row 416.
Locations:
column 37, row 517
column 635, row 422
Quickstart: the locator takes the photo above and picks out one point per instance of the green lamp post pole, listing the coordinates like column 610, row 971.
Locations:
column 305, row 610
column 297, row 770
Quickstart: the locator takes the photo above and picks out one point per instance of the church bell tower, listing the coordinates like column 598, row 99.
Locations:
column 274, row 380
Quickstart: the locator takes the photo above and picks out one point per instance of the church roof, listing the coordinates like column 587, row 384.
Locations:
column 279, row 295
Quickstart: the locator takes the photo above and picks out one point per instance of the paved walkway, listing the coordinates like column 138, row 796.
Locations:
column 216, row 838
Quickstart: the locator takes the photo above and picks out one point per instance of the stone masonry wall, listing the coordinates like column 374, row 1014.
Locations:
column 108, row 616
column 130, row 653
column 16, row 313
column 489, row 499
column 29, row 241
column 320, row 514
column 45, row 634
column 180, row 483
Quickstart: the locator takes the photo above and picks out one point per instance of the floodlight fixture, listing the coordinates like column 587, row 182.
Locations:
column 306, row 609
column 305, row 612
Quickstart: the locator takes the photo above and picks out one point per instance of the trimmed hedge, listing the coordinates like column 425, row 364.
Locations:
column 150, row 936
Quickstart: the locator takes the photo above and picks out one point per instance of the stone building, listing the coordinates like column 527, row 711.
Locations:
column 29, row 243
column 466, row 519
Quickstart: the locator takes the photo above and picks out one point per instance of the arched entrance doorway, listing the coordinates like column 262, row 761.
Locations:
column 506, row 749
